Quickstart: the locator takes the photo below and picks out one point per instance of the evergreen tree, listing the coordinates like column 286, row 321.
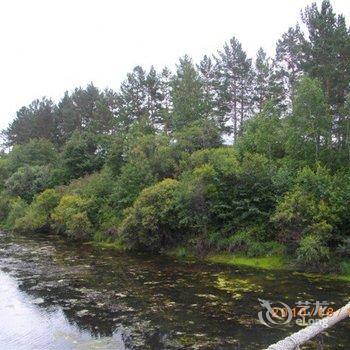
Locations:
column 267, row 82
column 68, row 117
column 327, row 52
column 131, row 98
column 235, row 75
column 92, row 108
column 154, row 97
column 38, row 120
column 187, row 95
column 167, row 103
column 208, row 74
column 289, row 58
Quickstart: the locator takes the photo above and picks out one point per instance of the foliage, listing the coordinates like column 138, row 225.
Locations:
column 312, row 251
column 152, row 222
column 16, row 210
column 198, row 135
column 264, row 134
column 70, row 217
column 83, row 154
column 152, row 163
column 35, row 152
column 133, row 179
column 5, row 203
column 37, row 216
column 309, row 133
column 28, row 181
column 307, row 210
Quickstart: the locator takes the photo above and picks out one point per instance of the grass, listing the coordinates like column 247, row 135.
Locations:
column 267, row 263
column 344, row 278
column 345, row 269
column 275, row 263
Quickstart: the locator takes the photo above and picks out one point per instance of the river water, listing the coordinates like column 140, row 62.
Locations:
column 57, row 295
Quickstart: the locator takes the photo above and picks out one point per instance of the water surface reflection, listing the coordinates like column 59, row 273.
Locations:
column 54, row 295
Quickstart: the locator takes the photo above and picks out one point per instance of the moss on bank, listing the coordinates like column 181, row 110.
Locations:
column 267, row 263
column 273, row 263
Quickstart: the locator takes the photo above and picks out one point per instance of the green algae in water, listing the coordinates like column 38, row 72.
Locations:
column 236, row 287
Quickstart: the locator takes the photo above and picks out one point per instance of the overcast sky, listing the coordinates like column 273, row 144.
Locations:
column 49, row 46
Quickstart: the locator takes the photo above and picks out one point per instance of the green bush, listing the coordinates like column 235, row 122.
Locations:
column 37, row 152
column 5, row 203
column 17, row 210
column 79, row 226
column 345, row 267
column 38, row 215
column 307, row 209
column 83, row 154
column 198, row 135
column 97, row 189
column 133, row 179
column 245, row 243
column 152, row 222
column 70, row 212
column 27, row 181
column 312, row 251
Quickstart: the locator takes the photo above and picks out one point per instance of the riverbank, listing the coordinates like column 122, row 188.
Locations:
column 272, row 263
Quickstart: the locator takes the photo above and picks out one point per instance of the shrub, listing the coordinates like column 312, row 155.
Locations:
column 307, row 209
column 37, row 152
column 5, row 203
column 17, row 210
column 79, row 226
column 96, row 188
column 312, row 251
column 343, row 250
column 198, row 135
column 245, row 243
column 224, row 158
column 38, row 215
column 345, row 267
column 152, row 222
column 66, row 219
column 28, row 181
column 197, row 191
column 133, row 179
column 83, row 154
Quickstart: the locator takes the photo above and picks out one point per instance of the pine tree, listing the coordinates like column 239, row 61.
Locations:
column 268, row 83
column 328, row 51
column 141, row 99
column 131, row 98
column 154, row 97
column 38, row 120
column 167, row 103
column 208, row 74
column 68, row 118
column 289, row 59
column 235, row 77
column 187, row 95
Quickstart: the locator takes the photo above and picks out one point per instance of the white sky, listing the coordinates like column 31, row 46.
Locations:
column 49, row 46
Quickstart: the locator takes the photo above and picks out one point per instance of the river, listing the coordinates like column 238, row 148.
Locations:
column 58, row 295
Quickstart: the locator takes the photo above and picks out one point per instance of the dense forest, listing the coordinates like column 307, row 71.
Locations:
column 233, row 154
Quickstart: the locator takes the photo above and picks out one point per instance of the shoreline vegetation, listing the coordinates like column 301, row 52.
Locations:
column 271, row 263
column 241, row 160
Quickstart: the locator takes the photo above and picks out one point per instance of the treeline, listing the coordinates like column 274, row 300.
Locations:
column 150, row 166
